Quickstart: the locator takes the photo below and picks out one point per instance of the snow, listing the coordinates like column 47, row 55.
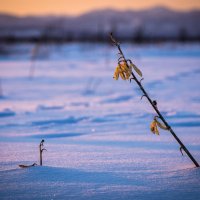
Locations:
column 67, row 183
column 96, row 130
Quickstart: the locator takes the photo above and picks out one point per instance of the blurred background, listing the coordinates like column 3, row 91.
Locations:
column 66, row 21
column 56, row 82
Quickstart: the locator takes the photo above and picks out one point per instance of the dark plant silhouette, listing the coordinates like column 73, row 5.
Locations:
column 26, row 166
column 124, row 70
column 41, row 149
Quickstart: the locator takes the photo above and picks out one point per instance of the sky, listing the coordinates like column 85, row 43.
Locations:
column 77, row 7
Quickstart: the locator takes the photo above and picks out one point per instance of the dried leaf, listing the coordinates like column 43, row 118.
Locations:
column 136, row 69
column 161, row 125
column 123, row 71
column 116, row 74
column 154, row 127
column 122, row 75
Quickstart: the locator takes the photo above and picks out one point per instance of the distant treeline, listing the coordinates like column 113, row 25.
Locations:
column 101, row 38
column 150, row 25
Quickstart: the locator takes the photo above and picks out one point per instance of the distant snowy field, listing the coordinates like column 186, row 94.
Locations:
column 96, row 129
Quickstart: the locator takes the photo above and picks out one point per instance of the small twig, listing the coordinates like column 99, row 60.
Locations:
column 41, row 149
column 181, row 150
column 143, row 96
column 141, row 80
column 27, row 166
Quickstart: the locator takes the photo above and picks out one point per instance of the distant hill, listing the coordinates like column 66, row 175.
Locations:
column 151, row 24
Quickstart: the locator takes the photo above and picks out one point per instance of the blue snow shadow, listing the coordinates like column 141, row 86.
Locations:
column 182, row 115
column 119, row 99
column 56, row 135
column 186, row 124
column 46, row 174
column 63, row 183
column 7, row 113
column 44, row 107
column 69, row 120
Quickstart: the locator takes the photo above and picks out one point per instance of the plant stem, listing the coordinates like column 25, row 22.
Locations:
column 155, row 108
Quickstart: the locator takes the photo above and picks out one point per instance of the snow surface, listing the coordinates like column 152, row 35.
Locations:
column 96, row 130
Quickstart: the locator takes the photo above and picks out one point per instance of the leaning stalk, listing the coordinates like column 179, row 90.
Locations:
column 153, row 104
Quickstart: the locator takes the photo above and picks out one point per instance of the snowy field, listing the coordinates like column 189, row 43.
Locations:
column 96, row 129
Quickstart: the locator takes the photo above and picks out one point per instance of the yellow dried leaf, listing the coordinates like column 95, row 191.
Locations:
column 116, row 74
column 123, row 71
column 122, row 75
column 162, row 126
column 154, row 127
column 136, row 69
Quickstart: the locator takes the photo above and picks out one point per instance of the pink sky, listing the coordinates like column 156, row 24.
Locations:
column 77, row 7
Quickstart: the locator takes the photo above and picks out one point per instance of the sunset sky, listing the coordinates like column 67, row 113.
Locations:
column 77, row 7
